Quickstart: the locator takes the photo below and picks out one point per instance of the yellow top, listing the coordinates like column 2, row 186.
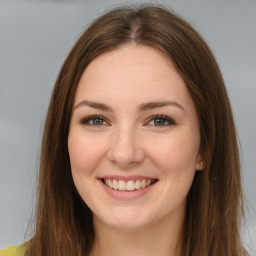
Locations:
column 14, row 251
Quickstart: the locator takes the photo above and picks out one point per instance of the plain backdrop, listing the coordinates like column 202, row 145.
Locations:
column 35, row 37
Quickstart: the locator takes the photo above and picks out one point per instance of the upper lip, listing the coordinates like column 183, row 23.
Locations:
column 127, row 178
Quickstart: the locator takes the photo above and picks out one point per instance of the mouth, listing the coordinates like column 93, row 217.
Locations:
column 128, row 185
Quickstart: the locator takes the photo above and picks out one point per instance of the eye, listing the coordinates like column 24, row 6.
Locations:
column 94, row 120
column 160, row 120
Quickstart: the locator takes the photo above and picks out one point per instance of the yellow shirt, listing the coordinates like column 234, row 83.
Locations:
column 14, row 251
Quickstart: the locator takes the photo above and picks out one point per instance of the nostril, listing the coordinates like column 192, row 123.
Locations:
column 125, row 152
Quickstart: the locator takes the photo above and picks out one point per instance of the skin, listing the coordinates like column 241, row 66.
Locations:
column 127, row 141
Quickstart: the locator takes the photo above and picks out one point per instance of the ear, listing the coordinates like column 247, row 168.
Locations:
column 200, row 163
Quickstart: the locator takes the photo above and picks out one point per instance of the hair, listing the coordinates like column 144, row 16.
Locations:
column 215, row 201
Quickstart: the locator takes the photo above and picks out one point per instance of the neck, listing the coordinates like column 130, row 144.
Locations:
column 161, row 238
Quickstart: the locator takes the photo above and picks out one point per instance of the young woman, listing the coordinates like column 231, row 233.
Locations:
column 139, row 153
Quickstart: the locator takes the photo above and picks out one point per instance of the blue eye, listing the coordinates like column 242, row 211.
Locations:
column 94, row 120
column 160, row 120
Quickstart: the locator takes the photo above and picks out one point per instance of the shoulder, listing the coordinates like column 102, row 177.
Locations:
column 14, row 250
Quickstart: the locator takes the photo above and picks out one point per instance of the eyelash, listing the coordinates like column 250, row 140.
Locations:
column 86, row 120
column 167, row 119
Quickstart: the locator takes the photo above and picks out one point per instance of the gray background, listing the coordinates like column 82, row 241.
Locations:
column 35, row 37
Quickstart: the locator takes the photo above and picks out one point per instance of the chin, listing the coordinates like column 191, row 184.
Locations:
column 127, row 225
column 126, row 220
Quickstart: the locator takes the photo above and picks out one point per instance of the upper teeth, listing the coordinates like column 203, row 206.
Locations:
column 127, row 185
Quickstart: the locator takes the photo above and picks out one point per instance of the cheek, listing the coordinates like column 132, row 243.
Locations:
column 175, row 153
column 180, row 165
column 84, row 153
column 176, row 162
column 175, row 157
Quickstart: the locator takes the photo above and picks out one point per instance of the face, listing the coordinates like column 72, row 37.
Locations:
column 134, row 138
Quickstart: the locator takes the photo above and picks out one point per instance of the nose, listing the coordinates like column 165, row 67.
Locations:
column 125, row 150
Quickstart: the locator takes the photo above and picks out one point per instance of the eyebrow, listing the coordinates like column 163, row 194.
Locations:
column 158, row 104
column 93, row 104
column 141, row 108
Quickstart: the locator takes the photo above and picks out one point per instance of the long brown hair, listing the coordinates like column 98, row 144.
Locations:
column 214, row 203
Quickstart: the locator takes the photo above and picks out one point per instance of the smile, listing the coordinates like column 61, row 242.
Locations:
column 129, row 185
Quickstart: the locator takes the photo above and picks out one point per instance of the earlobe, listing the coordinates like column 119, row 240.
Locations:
column 200, row 164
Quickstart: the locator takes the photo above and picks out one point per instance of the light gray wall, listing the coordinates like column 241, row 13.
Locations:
column 35, row 37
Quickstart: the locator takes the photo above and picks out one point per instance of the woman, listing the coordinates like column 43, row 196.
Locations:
column 139, row 153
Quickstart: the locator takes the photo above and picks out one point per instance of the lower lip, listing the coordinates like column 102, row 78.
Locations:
column 127, row 195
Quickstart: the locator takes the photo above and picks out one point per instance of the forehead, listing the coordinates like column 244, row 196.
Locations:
column 132, row 71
